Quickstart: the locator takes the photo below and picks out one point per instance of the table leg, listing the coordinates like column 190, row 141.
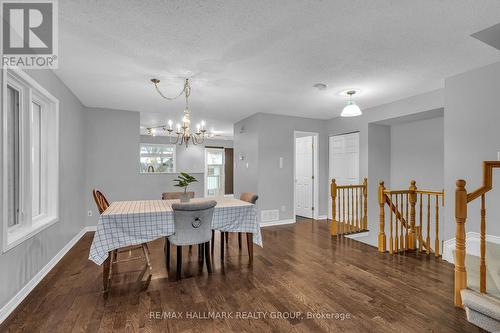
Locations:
column 106, row 266
column 250, row 246
column 222, row 246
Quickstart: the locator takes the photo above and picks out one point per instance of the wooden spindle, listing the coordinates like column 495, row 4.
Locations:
column 365, row 206
column 407, row 226
column 413, row 201
column 333, row 193
column 396, row 234
column 460, row 218
column 391, row 239
column 348, row 211
column 401, row 235
column 436, row 242
column 357, row 210
column 420, row 238
column 343, row 212
column 381, row 231
column 339, row 223
column 482, row 280
column 428, row 239
column 353, row 220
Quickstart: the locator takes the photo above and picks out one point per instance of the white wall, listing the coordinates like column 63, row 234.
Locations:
column 20, row 264
column 112, row 165
column 471, row 135
column 417, row 152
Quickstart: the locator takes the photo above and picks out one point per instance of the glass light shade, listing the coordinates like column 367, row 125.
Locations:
column 351, row 110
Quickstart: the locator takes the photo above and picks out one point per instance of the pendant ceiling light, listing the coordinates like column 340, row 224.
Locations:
column 351, row 109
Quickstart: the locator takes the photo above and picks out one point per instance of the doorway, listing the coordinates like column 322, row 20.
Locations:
column 214, row 172
column 219, row 171
column 343, row 163
column 305, row 174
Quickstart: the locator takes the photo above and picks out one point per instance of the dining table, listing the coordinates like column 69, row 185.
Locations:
column 128, row 223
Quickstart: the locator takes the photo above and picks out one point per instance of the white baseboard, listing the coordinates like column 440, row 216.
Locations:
column 7, row 309
column 322, row 217
column 279, row 222
column 472, row 245
column 358, row 235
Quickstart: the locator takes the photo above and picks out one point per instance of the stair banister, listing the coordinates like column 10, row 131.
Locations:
column 462, row 198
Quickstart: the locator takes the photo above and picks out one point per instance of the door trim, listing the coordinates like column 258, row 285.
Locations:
column 315, row 136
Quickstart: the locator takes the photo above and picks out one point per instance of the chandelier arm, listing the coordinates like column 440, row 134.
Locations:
column 185, row 90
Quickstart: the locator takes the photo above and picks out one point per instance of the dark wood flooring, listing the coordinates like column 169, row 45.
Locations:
column 300, row 269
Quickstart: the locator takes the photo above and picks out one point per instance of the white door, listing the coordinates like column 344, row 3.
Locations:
column 304, row 180
column 343, row 161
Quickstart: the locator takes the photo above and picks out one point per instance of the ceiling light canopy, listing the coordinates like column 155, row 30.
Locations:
column 351, row 109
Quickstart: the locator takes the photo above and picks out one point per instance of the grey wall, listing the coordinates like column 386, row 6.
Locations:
column 22, row 263
column 417, row 152
column 265, row 139
column 246, row 156
column 471, row 135
column 112, row 164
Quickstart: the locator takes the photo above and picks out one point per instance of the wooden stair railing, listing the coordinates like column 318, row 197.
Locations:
column 349, row 208
column 462, row 198
column 404, row 232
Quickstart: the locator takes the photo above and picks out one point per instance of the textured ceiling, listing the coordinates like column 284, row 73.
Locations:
column 264, row 56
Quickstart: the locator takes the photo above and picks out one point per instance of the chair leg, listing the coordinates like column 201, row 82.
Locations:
column 250, row 246
column 222, row 246
column 239, row 240
column 213, row 242
column 179, row 262
column 167, row 252
column 190, row 248
column 201, row 249
column 145, row 249
column 207, row 258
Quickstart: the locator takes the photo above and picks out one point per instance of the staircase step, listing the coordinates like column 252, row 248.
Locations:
column 482, row 310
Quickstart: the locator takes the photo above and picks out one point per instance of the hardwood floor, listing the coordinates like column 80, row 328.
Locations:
column 300, row 269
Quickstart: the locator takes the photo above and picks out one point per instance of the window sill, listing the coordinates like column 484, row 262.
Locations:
column 158, row 173
column 21, row 234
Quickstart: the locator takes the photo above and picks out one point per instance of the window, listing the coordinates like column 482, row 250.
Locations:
column 157, row 158
column 30, row 164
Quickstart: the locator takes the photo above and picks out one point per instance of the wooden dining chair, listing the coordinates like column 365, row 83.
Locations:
column 175, row 195
column 248, row 197
column 103, row 204
column 193, row 225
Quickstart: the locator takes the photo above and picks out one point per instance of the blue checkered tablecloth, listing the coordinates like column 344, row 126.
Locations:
column 127, row 223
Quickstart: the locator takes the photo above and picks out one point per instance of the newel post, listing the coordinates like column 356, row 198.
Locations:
column 333, row 193
column 365, row 204
column 460, row 217
column 381, row 232
column 413, row 201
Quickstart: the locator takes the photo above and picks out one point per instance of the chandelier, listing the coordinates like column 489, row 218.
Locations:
column 183, row 132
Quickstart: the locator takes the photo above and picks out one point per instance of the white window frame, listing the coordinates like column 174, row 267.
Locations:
column 30, row 91
column 161, row 145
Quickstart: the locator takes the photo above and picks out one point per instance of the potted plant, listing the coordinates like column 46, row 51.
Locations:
column 183, row 180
